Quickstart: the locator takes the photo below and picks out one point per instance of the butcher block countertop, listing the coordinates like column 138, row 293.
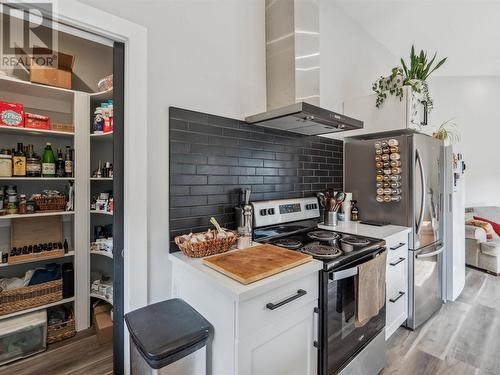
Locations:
column 237, row 290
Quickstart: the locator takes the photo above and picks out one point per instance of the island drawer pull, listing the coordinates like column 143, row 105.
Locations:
column 401, row 244
column 397, row 261
column 394, row 299
column 300, row 293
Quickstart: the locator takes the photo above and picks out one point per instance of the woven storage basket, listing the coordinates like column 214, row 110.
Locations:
column 30, row 296
column 206, row 248
column 61, row 331
column 50, row 203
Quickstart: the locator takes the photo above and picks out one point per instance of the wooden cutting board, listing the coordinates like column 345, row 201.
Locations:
column 256, row 263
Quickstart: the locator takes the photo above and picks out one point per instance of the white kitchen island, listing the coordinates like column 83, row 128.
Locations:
column 249, row 338
column 396, row 240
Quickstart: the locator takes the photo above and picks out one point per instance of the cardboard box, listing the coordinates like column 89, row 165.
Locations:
column 33, row 121
column 59, row 76
column 104, row 327
column 101, row 307
column 11, row 114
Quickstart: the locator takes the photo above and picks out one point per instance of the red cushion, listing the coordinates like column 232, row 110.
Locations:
column 496, row 226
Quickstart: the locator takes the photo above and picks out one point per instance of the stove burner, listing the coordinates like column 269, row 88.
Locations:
column 322, row 251
column 323, row 235
column 355, row 241
column 288, row 243
column 287, row 228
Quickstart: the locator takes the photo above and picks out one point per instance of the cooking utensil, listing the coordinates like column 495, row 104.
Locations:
column 339, row 199
column 332, row 204
column 321, row 198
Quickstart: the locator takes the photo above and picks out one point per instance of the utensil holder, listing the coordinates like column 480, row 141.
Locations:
column 331, row 218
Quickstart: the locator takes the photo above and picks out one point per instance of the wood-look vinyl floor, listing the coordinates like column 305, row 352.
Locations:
column 80, row 355
column 462, row 339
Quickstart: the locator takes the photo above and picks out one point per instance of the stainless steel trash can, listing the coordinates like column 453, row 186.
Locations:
column 168, row 338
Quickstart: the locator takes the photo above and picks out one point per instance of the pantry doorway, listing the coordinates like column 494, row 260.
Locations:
column 128, row 215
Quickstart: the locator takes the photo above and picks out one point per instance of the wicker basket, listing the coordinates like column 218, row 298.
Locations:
column 50, row 203
column 30, row 296
column 206, row 248
column 61, row 331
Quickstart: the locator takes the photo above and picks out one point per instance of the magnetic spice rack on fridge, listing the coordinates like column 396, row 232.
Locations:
column 388, row 164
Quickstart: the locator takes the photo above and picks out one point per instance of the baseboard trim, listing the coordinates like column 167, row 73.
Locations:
column 483, row 270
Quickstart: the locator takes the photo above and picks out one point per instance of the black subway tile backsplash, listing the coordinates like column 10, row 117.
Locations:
column 212, row 158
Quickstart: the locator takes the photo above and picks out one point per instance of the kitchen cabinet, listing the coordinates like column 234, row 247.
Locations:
column 254, row 333
column 396, row 283
column 394, row 114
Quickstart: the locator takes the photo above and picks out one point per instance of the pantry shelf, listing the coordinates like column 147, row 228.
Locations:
column 103, row 298
column 37, row 178
column 101, row 212
column 102, row 95
column 104, row 136
column 106, row 254
column 101, row 178
column 38, row 214
column 68, row 254
column 42, row 307
column 36, row 132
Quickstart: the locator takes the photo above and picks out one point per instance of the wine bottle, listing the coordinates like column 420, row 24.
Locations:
column 48, row 162
column 19, row 162
column 68, row 162
column 60, row 167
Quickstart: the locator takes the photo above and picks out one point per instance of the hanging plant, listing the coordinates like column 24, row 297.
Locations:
column 413, row 74
column 448, row 132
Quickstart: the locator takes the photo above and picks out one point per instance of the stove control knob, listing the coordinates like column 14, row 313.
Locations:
column 263, row 212
column 315, row 206
column 309, row 206
column 270, row 211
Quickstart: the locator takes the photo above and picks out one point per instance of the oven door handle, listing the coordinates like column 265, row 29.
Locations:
column 344, row 274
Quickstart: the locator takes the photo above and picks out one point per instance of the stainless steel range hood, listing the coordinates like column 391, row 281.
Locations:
column 293, row 72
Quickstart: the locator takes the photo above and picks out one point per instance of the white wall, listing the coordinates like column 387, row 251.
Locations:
column 351, row 59
column 473, row 103
column 204, row 55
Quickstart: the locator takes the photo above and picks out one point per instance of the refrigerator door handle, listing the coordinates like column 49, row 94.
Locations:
column 431, row 254
column 418, row 161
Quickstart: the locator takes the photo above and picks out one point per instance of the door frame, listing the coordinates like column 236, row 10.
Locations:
column 134, row 37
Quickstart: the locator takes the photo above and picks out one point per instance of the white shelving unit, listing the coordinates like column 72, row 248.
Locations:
column 17, row 313
column 101, row 149
column 37, row 214
column 62, row 106
column 68, row 254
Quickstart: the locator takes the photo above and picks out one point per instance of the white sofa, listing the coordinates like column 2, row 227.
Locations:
column 480, row 252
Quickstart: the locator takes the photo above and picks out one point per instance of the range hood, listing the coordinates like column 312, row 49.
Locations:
column 293, row 72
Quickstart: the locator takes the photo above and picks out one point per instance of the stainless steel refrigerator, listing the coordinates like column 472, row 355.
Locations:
column 420, row 208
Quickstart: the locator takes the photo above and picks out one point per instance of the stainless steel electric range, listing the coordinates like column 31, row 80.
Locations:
column 344, row 346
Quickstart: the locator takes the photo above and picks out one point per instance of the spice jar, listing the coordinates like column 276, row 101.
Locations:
column 5, row 165
column 22, row 209
column 30, row 207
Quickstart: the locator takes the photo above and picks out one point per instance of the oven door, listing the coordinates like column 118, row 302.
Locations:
column 341, row 338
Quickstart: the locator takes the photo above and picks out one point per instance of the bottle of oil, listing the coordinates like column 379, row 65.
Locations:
column 354, row 211
column 19, row 162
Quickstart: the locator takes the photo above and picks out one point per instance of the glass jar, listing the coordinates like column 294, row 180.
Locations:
column 30, row 207
column 5, row 165
column 22, row 209
column 33, row 167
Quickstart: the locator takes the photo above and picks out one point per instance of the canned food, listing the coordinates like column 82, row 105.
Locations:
column 395, row 156
column 396, row 170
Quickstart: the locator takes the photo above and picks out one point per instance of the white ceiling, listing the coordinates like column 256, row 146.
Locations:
column 466, row 31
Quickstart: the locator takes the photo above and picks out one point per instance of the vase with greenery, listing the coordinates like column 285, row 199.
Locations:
column 414, row 74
